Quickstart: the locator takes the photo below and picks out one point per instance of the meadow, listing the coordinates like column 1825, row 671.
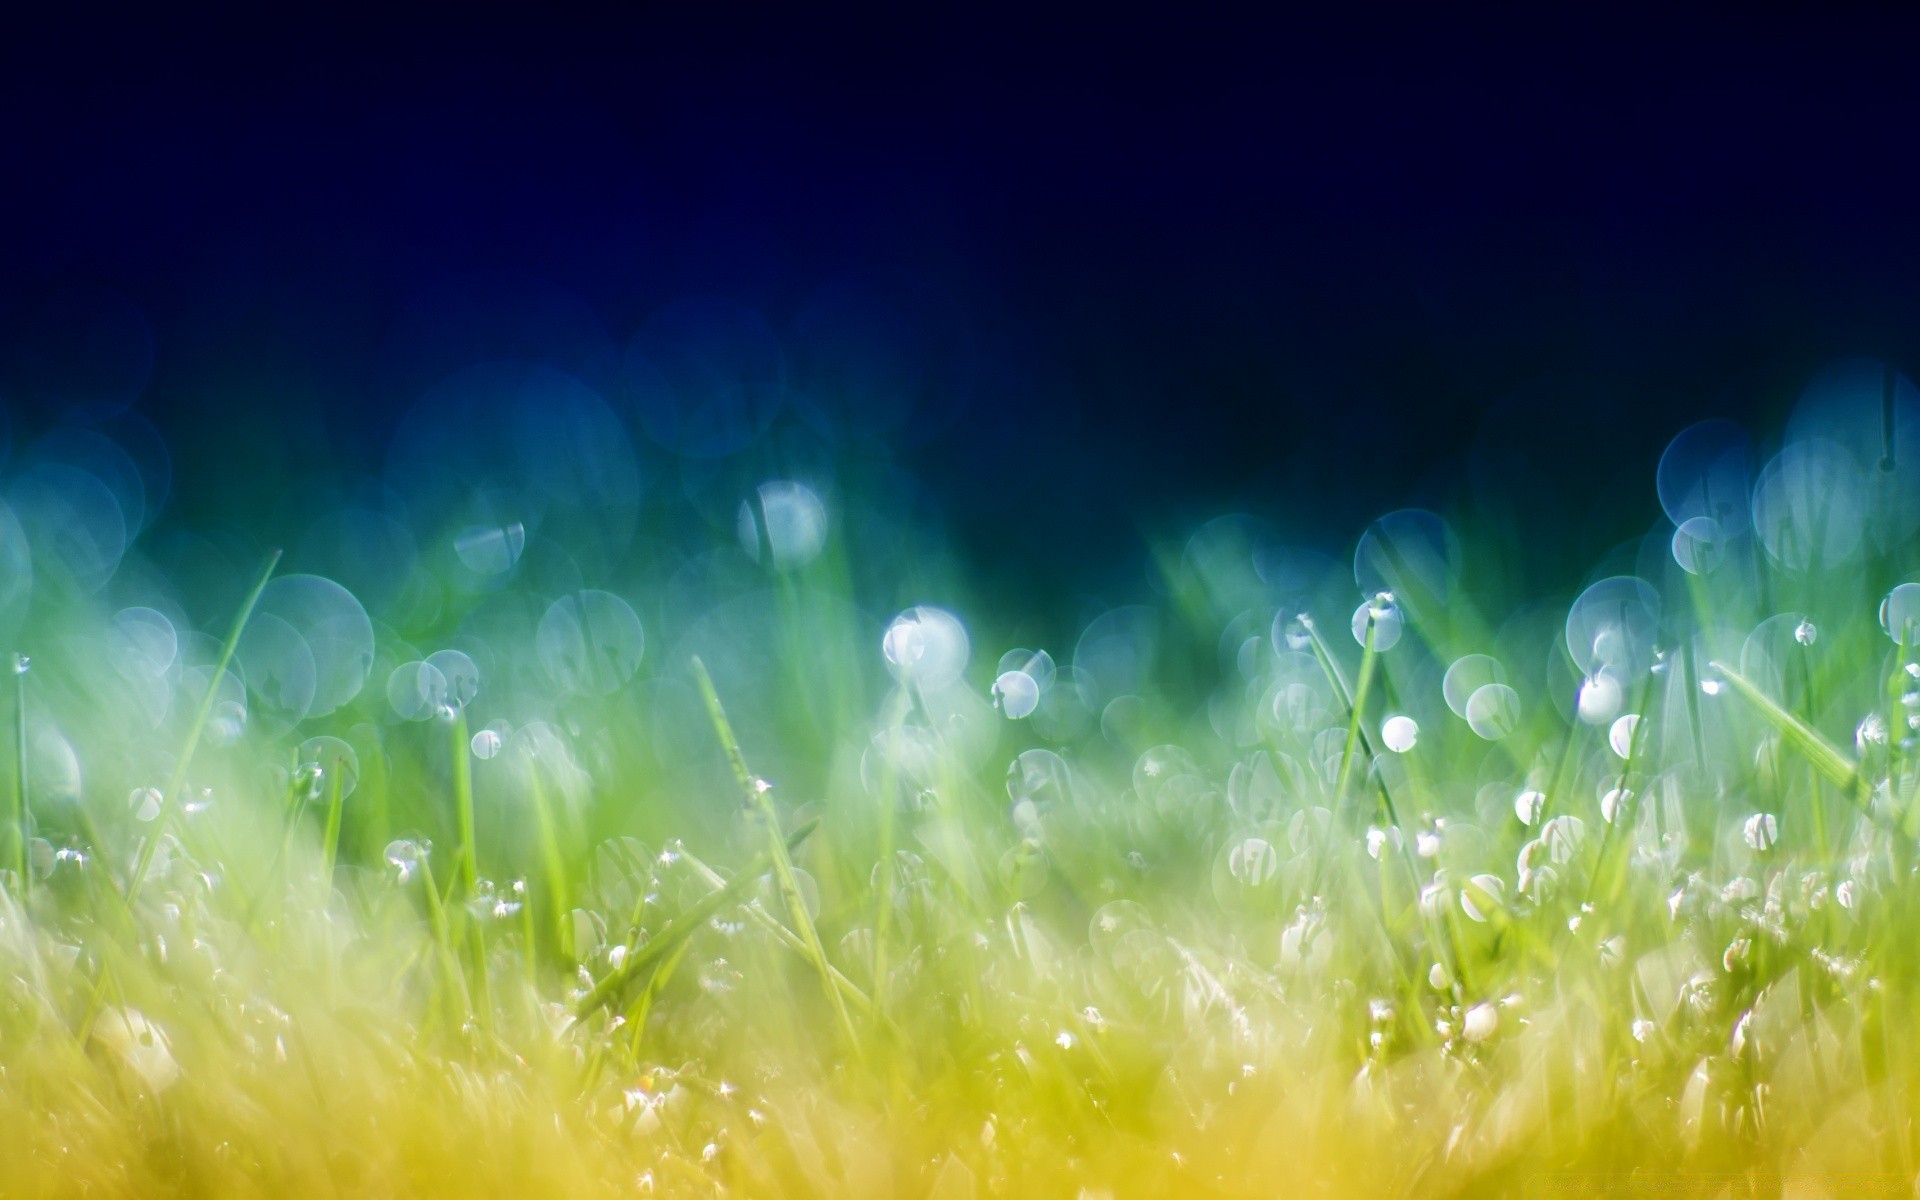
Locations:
column 534, row 865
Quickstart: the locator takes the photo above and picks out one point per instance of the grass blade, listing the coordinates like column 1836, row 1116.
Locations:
column 1827, row 759
column 170, row 800
column 754, row 792
column 682, row 926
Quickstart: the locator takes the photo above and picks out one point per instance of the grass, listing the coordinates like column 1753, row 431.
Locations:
column 1196, row 928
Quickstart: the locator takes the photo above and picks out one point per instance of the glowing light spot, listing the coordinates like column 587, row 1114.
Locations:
column 927, row 646
column 1493, row 711
column 1383, row 615
column 1620, row 734
column 784, row 520
column 1016, row 694
column 1399, row 733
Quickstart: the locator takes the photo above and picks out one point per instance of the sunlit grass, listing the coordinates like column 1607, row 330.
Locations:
column 1218, row 901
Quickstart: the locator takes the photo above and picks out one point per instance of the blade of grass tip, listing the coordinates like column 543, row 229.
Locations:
column 1826, row 758
column 170, row 800
column 754, row 792
column 463, row 805
column 681, row 927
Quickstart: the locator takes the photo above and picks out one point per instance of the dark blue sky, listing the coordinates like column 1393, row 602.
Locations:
column 1292, row 269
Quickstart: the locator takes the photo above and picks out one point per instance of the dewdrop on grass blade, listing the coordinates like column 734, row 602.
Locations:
column 1900, row 614
column 926, row 646
column 1399, row 733
column 1383, row 614
column 1620, row 735
column 1761, row 831
column 143, row 804
column 1493, row 711
column 1599, row 699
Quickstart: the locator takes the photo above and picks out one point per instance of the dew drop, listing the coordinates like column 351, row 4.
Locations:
column 1620, row 735
column 1384, row 616
column 1900, row 613
column 144, row 803
column 1600, row 698
column 1016, row 694
column 1480, row 1023
column 1399, row 733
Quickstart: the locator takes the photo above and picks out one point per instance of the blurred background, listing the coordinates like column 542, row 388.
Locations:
column 1049, row 292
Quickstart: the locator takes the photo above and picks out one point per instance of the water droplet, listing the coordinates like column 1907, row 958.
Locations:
column 785, row 520
column 416, row 690
column 1805, row 632
column 1253, row 862
column 1399, row 733
column 591, row 642
column 1809, row 505
column 1761, row 831
column 406, row 856
column 1384, row 616
column 927, row 645
column 144, row 803
column 1410, row 551
column 1600, row 698
column 1378, row 840
column 1620, row 735
column 1697, row 545
column 1562, row 836
column 21, row 664
column 485, row 743
column 1528, row 806
column 333, row 761
column 1480, row 1023
column 490, row 549
column 1493, row 711
column 1016, row 694
column 1900, row 613
column 462, row 676
column 1467, row 675
column 1612, row 803
column 1482, row 896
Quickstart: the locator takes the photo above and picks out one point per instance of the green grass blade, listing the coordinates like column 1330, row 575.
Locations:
column 1827, row 759
column 170, row 801
column 754, row 792
column 681, row 927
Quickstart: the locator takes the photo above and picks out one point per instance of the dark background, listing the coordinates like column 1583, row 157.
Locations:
column 1307, row 271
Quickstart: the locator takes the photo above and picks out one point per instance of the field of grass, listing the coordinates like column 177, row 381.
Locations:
column 1245, row 892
